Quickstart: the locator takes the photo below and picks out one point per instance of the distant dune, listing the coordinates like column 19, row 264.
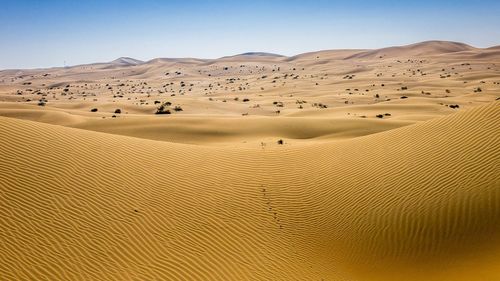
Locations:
column 263, row 54
column 418, row 49
column 126, row 61
column 332, row 165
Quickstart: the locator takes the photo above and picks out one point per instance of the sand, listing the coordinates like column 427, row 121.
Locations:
column 207, row 193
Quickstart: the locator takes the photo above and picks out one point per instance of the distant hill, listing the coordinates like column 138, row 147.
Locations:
column 422, row 49
column 253, row 56
column 126, row 61
column 261, row 54
column 417, row 49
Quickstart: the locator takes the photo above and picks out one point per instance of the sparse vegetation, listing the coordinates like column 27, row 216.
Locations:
column 162, row 110
column 278, row 103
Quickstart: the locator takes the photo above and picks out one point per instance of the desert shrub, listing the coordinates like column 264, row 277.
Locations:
column 162, row 110
column 280, row 141
column 380, row 116
column 118, row 111
column 177, row 108
column 93, row 110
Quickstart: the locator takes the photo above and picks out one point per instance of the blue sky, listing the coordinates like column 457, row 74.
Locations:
column 48, row 33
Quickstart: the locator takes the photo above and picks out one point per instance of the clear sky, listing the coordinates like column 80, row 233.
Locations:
column 48, row 33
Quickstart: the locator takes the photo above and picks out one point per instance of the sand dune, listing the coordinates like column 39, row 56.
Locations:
column 418, row 49
column 331, row 165
column 418, row 203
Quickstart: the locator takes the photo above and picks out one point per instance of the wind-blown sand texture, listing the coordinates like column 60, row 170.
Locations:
column 208, row 194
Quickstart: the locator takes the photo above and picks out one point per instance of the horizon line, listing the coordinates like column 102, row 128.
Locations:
column 250, row 53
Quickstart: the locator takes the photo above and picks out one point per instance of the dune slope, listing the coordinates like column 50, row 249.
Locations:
column 421, row 202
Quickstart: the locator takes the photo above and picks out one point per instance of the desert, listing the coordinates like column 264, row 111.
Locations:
column 339, row 164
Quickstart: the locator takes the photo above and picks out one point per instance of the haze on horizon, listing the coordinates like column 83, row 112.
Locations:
column 52, row 33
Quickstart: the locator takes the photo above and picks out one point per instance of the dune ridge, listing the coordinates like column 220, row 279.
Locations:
column 419, row 202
